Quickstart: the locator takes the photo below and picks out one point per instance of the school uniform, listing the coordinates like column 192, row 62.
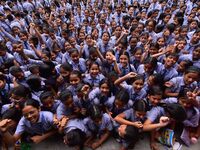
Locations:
column 106, row 67
column 66, row 58
column 190, row 47
column 80, row 66
column 53, row 108
column 6, row 57
column 169, row 73
column 106, row 124
column 42, row 126
column 4, row 93
column 178, row 85
column 126, row 70
column 97, row 99
column 62, row 110
column 73, row 124
column 155, row 113
column 133, row 95
column 192, row 121
column 93, row 81
column 105, row 47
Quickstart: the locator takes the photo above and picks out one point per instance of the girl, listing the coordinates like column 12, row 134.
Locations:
column 94, row 77
column 185, row 82
column 86, row 47
column 164, row 114
column 136, row 56
column 100, row 125
column 63, row 79
column 105, row 44
column 75, row 133
column 77, row 62
column 66, row 57
column 35, row 125
column 124, row 65
column 150, row 66
column 109, row 63
column 120, row 104
column 182, row 66
column 153, row 80
column 132, row 117
column 136, row 91
column 192, row 120
column 161, row 42
column 74, row 80
column 102, row 96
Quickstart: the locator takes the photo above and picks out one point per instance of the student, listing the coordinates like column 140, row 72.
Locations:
column 109, row 63
column 120, row 104
column 132, row 117
column 17, row 96
column 94, row 77
column 35, row 125
column 153, row 80
column 102, row 95
column 77, row 62
column 124, row 64
column 19, row 76
column 135, row 57
column 4, row 90
column 159, row 117
column 66, row 107
column 76, row 133
column 48, row 102
column 13, row 115
column 188, row 135
column 74, row 79
column 187, row 81
column 135, row 90
column 169, row 71
column 100, row 125
column 128, row 136
column 62, row 80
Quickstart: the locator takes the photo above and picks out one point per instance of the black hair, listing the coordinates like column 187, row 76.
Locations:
column 75, row 137
column 44, row 95
column 21, row 91
column 122, row 95
column 155, row 90
column 76, row 72
column 15, row 69
column 72, row 50
column 151, row 60
column 32, row 102
column 131, row 133
column 93, row 63
column 34, row 82
column 95, row 112
column 140, row 105
column 65, row 95
column 66, row 66
column 192, row 69
column 3, row 46
column 176, row 111
column 2, row 77
column 13, row 114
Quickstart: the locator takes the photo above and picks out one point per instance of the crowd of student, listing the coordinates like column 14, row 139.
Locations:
column 98, row 68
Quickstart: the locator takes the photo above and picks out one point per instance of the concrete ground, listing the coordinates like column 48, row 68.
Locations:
column 56, row 143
